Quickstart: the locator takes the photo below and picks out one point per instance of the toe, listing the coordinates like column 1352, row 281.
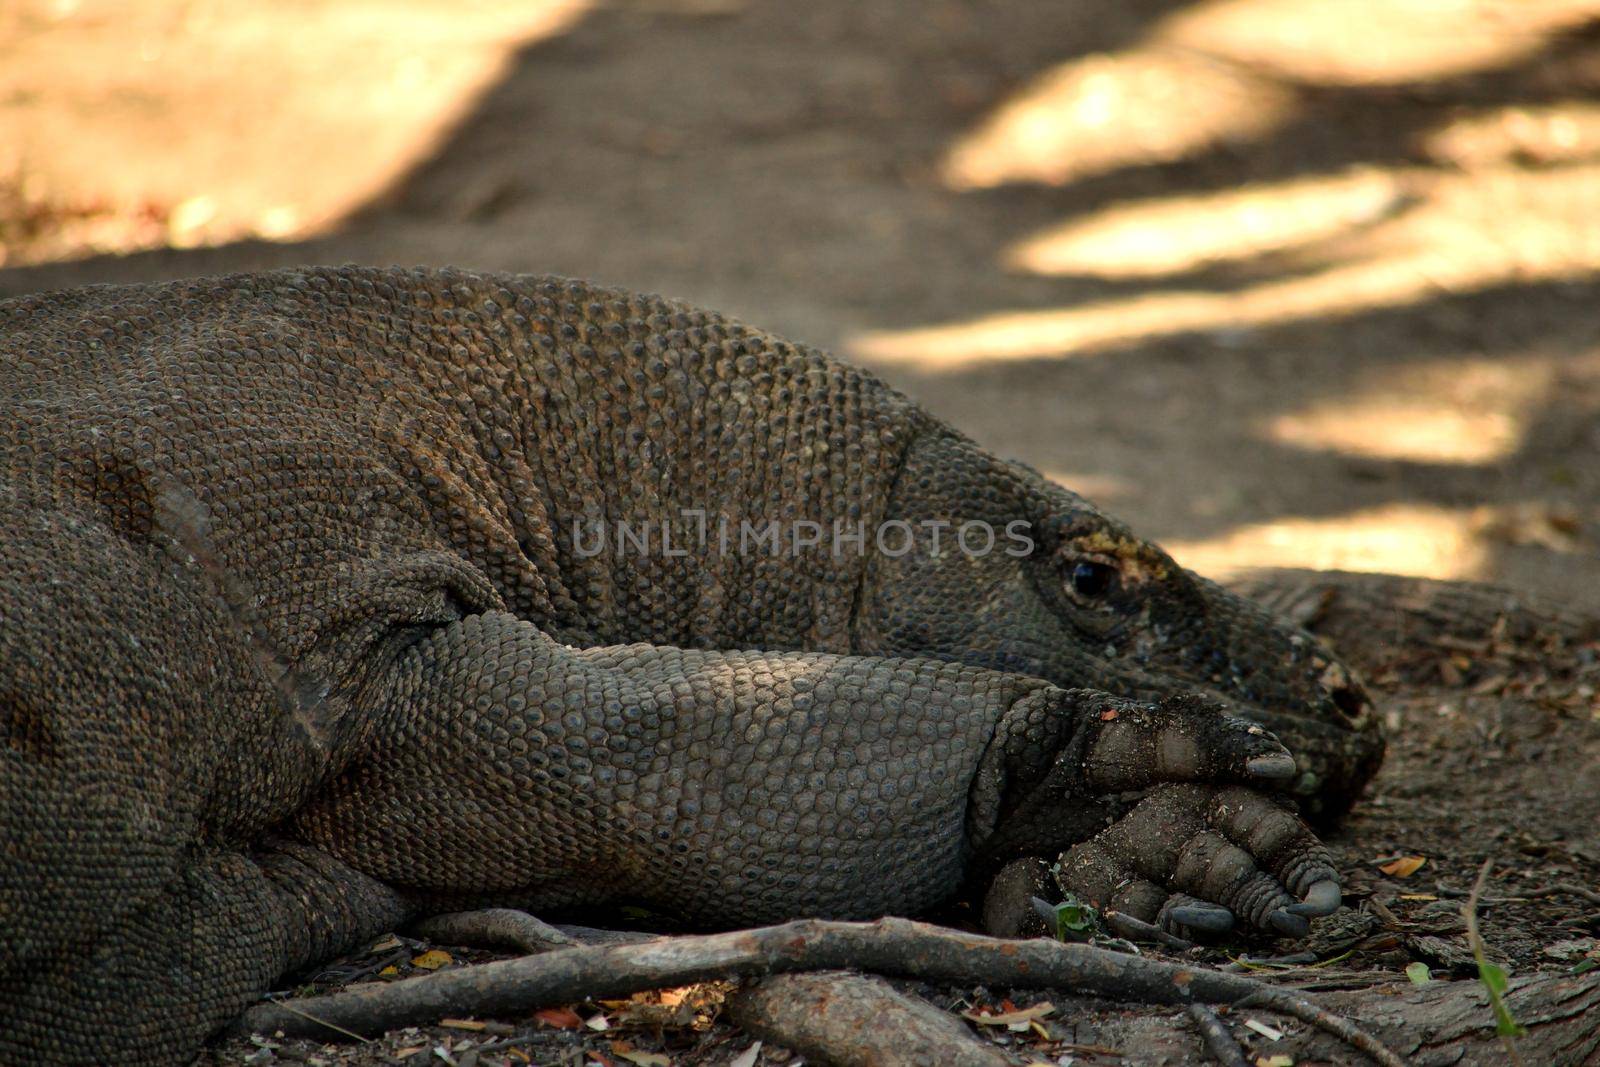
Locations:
column 1197, row 915
column 1323, row 898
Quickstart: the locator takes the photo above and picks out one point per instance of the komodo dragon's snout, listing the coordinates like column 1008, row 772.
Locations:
column 1071, row 595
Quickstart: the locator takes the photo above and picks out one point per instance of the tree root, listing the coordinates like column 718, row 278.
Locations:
column 494, row 928
column 890, row 946
column 1366, row 617
column 513, row 929
column 853, row 1020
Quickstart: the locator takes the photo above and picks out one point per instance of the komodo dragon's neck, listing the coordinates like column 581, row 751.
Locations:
column 670, row 460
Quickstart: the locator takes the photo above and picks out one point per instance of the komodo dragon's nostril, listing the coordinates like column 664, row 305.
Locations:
column 1351, row 702
column 1344, row 692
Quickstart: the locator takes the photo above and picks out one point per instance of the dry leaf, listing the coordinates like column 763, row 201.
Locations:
column 1015, row 1021
column 389, row 971
column 1493, row 684
column 598, row 1022
column 747, row 1058
column 561, row 1018
column 431, row 960
column 637, row 1056
column 1403, row 866
column 463, row 1024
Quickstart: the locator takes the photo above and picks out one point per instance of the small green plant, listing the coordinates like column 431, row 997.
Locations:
column 1490, row 974
column 1493, row 978
column 1070, row 920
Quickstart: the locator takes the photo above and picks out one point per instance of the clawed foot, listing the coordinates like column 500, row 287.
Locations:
column 1197, row 860
column 1204, row 850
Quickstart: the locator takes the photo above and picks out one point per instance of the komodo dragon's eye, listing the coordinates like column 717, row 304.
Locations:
column 1091, row 579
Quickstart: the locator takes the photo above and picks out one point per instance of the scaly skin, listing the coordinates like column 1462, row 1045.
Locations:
column 300, row 642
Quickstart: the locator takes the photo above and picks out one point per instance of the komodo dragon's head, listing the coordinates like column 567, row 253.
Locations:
column 1069, row 594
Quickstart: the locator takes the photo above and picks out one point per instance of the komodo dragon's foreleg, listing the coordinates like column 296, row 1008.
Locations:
column 745, row 787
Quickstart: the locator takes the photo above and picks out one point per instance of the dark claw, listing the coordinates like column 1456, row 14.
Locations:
column 1205, row 918
column 1278, row 767
column 1323, row 898
column 1289, row 925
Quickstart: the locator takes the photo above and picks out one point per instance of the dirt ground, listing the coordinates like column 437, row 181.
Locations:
column 1282, row 282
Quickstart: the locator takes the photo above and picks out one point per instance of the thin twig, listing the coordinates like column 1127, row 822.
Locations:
column 1322, row 1019
column 289, row 1006
column 1567, row 888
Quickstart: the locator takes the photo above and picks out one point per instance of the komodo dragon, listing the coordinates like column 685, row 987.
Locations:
column 307, row 630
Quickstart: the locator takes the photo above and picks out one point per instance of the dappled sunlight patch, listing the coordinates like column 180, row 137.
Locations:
column 1102, row 112
column 127, row 126
column 1395, row 428
column 1542, row 134
column 1230, row 71
column 1364, row 42
column 1427, row 541
column 1078, row 331
column 1186, row 232
column 1001, row 336
column 1466, row 411
column 1533, row 523
column 1466, row 232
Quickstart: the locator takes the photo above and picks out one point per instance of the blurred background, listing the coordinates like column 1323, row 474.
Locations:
column 1281, row 282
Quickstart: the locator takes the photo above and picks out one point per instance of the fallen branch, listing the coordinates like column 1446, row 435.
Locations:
column 1218, row 1041
column 852, row 1020
column 891, row 946
column 1367, row 617
column 509, row 928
